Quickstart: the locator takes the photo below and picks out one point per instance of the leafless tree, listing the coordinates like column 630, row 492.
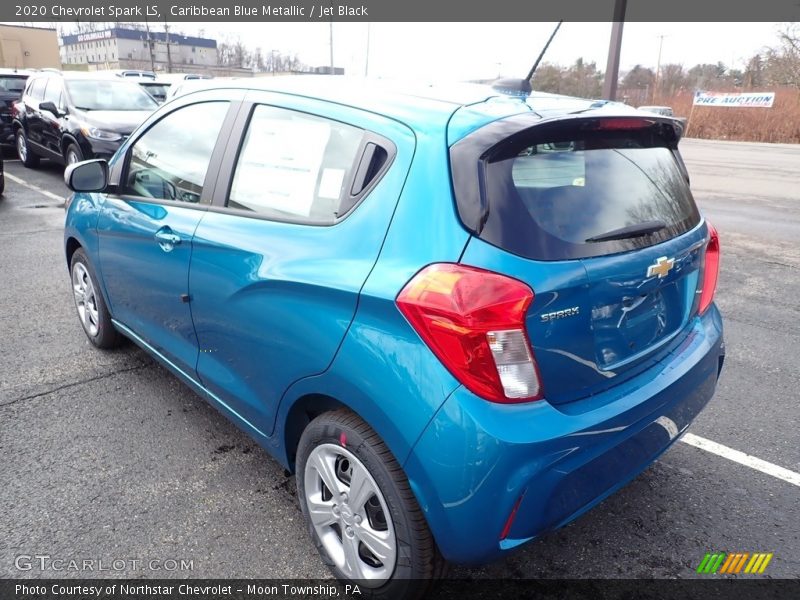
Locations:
column 782, row 62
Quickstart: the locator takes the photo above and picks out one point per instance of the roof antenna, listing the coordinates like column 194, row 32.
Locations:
column 522, row 87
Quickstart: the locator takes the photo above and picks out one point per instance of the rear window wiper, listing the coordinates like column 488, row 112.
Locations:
column 630, row 231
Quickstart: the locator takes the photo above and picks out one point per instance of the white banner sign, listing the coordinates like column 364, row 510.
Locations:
column 748, row 100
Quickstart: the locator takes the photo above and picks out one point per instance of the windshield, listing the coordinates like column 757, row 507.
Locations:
column 13, row 84
column 109, row 95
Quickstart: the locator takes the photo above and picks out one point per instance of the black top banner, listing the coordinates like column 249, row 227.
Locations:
column 398, row 10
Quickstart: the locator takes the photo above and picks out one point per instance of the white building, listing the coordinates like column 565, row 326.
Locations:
column 120, row 48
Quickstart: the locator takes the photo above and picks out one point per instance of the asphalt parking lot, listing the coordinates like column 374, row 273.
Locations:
column 108, row 456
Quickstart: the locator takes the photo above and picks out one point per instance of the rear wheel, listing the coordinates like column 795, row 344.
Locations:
column 92, row 310
column 360, row 510
column 26, row 155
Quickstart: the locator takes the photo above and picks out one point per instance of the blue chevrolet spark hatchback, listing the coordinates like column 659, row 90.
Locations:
column 462, row 318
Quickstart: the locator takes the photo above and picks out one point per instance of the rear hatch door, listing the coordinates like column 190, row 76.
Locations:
column 596, row 215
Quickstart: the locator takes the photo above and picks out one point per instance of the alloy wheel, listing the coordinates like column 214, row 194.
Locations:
column 22, row 148
column 350, row 515
column 85, row 298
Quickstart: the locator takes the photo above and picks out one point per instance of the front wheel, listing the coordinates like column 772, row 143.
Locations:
column 360, row 510
column 92, row 310
column 73, row 155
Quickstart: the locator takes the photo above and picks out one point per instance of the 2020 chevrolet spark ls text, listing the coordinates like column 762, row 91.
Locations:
column 461, row 318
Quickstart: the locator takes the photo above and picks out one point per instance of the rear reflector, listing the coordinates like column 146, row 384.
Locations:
column 511, row 517
column 708, row 280
column 474, row 322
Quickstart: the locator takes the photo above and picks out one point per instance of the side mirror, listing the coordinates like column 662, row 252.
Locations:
column 49, row 107
column 87, row 176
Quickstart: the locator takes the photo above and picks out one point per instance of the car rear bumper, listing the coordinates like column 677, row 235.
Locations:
column 478, row 462
column 6, row 131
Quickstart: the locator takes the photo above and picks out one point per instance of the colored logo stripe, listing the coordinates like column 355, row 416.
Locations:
column 758, row 563
column 711, row 562
column 735, row 565
column 727, row 565
column 734, row 562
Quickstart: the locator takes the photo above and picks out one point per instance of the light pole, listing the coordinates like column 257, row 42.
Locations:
column 658, row 67
column 330, row 35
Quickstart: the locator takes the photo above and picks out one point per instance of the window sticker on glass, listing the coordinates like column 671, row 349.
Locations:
column 550, row 165
column 330, row 184
column 281, row 174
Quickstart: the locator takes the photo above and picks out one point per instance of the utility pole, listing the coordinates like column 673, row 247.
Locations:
column 169, row 55
column 614, row 48
column 150, row 46
column 658, row 67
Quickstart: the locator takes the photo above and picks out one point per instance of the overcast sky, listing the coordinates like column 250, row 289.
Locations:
column 484, row 50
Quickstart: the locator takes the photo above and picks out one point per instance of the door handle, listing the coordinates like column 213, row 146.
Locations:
column 167, row 239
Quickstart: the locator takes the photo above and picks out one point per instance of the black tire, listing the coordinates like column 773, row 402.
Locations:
column 419, row 563
column 24, row 151
column 2, row 183
column 71, row 151
column 101, row 331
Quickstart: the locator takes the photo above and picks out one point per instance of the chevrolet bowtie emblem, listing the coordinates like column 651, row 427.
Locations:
column 662, row 266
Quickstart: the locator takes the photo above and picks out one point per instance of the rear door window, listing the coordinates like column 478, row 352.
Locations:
column 53, row 92
column 37, row 89
column 563, row 197
column 294, row 166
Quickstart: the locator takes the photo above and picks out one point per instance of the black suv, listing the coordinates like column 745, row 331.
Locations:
column 12, row 82
column 69, row 117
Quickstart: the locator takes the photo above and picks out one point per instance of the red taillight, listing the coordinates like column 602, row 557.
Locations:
column 474, row 321
column 710, row 270
column 623, row 123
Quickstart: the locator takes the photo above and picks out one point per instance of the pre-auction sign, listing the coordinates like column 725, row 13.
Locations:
column 746, row 100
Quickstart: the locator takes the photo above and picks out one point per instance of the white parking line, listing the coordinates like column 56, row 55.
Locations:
column 742, row 458
column 35, row 188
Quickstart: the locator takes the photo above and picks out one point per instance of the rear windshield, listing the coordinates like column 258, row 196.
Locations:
column 12, row 83
column 156, row 90
column 568, row 196
column 87, row 94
